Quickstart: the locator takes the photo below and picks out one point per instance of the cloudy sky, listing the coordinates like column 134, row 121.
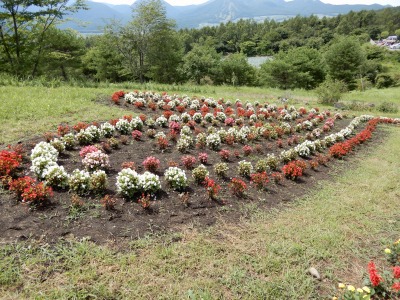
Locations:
column 188, row 2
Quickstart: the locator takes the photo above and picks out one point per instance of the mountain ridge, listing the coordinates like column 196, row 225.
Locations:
column 212, row 12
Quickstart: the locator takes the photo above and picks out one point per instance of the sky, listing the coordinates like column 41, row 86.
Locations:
column 188, row 2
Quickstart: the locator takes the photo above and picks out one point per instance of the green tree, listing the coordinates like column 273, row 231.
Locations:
column 148, row 43
column 102, row 61
column 298, row 68
column 200, row 62
column 234, row 69
column 23, row 28
column 344, row 59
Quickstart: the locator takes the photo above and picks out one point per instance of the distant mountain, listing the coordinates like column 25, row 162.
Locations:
column 212, row 12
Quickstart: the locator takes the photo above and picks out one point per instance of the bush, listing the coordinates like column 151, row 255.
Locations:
column 245, row 168
column 149, row 183
column 56, row 176
column 96, row 160
column 330, row 91
column 384, row 81
column 220, row 169
column 200, row 173
column 388, row 107
column 127, row 183
column 176, row 178
column 38, row 194
column 259, row 179
column 151, row 164
column 188, row 161
column 79, row 182
column 203, row 158
column 98, row 181
column 238, row 187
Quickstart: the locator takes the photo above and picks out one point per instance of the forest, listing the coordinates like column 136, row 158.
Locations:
column 308, row 52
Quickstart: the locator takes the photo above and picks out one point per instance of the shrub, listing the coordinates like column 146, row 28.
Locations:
column 388, row 107
column 277, row 177
column 184, row 143
column 96, row 160
column 9, row 162
column 58, row 144
column 261, row 165
column 247, row 150
column 162, row 143
column 224, row 154
column 63, row 130
column 87, row 149
column 98, row 181
column 79, row 182
column 108, row 202
column 188, row 161
column 259, row 179
column 20, row 184
column 330, row 91
column 137, row 135
column 127, row 183
column 203, row 158
column 212, row 188
column 69, row 141
column 176, row 178
column 149, row 183
column 37, row 194
column 245, row 168
column 384, row 81
column 123, row 126
column 292, row 170
column 213, row 141
column 107, row 129
column 238, row 187
column 221, row 169
column 56, row 176
column 151, row 164
column 200, row 173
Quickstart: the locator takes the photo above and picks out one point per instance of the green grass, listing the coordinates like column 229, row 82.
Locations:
column 337, row 228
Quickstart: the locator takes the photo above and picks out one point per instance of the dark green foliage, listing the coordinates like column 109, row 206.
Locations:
column 344, row 59
column 235, row 70
column 384, row 81
column 330, row 91
column 298, row 68
column 388, row 107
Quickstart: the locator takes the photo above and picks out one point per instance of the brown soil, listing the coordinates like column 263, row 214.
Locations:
column 167, row 213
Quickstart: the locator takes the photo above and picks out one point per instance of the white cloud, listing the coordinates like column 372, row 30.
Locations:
column 189, row 2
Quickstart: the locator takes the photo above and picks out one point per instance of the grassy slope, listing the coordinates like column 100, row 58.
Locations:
column 337, row 228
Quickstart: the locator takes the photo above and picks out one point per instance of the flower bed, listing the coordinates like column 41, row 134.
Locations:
column 258, row 145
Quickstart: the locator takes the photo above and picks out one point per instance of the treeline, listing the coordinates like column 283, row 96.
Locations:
column 307, row 51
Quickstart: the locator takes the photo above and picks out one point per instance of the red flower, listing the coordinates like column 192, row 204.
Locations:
column 373, row 274
column 396, row 272
column 396, row 286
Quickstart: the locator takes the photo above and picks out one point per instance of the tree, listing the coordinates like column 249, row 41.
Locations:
column 143, row 42
column 23, row 28
column 235, row 69
column 200, row 62
column 298, row 68
column 102, row 61
column 344, row 59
